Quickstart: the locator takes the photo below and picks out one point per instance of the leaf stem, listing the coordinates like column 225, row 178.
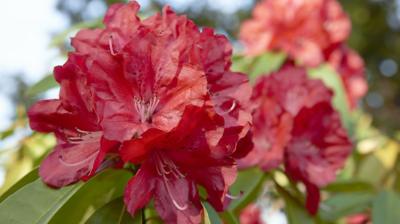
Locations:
column 143, row 216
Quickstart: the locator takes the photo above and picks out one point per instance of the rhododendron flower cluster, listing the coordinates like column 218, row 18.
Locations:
column 310, row 32
column 296, row 125
column 157, row 93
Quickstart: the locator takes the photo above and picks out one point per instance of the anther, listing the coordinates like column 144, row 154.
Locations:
column 110, row 45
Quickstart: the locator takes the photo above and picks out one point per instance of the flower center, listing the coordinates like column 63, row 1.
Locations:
column 166, row 167
column 146, row 108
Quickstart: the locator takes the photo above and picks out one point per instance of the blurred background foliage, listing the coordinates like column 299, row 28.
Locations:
column 372, row 174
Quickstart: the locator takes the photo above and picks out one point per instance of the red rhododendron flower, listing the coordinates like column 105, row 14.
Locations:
column 295, row 123
column 163, row 89
column 277, row 99
column 73, row 118
column 146, row 72
column 251, row 215
column 350, row 66
column 301, row 28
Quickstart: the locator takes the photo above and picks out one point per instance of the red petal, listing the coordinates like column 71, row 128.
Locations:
column 68, row 163
column 177, row 201
column 319, row 146
column 136, row 150
column 312, row 199
column 140, row 189
column 50, row 116
column 216, row 180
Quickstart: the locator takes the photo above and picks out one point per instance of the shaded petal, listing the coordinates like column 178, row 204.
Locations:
column 140, row 189
column 312, row 198
column 50, row 116
column 216, row 180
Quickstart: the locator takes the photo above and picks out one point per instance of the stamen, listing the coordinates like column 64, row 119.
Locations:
column 146, row 109
column 60, row 158
column 85, row 136
column 110, row 45
column 179, row 207
column 233, row 106
column 164, row 166
column 234, row 197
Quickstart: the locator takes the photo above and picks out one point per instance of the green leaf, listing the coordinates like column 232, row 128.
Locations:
column 333, row 81
column 266, row 63
column 295, row 210
column 98, row 191
column 386, row 207
column 114, row 212
column 210, row 215
column 35, row 203
column 349, row 186
column 344, row 204
column 229, row 218
column 43, row 85
column 259, row 65
column 28, row 178
column 248, row 183
column 7, row 133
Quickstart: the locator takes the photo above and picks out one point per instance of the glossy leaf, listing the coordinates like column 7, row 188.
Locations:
column 43, row 85
column 28, row 178
column 97, row 192
column 386, row 207
column 35, row 203
column 248, row 185
column 114, row 212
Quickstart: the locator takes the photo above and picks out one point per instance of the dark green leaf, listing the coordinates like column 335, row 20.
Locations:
column 28, row 178
column 97, row 192
column 386, row 207
column 35, row 203
column 248, row 183
column 344, row 204
column 43, row 85
column 114, row 212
